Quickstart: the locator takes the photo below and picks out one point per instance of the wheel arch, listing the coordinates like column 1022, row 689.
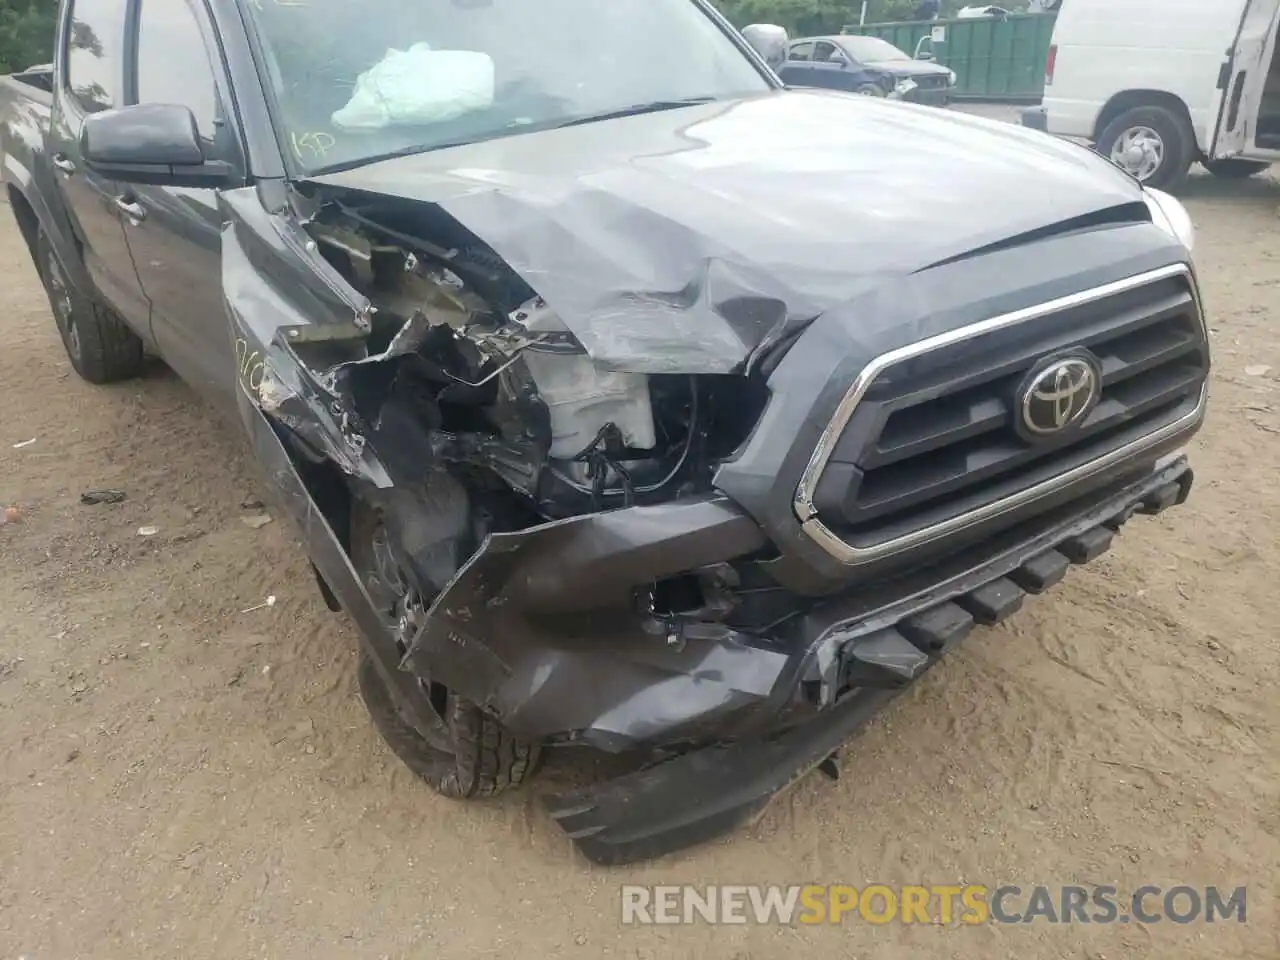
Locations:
column 25, row 214
column 330, row 490
column 35, row 218
column 1132, row 99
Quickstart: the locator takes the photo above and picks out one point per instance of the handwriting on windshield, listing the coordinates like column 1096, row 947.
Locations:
column 313, row 147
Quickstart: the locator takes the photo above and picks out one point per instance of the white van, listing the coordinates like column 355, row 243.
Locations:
column 1160, row 84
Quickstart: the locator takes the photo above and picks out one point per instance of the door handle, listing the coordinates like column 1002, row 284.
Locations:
column 63, row 164
column 131, row 209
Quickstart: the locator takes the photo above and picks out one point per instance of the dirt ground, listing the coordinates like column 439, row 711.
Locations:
column 179, row 778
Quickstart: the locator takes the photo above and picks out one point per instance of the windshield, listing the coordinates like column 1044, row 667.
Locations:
column 872, row 49
column 355, row 80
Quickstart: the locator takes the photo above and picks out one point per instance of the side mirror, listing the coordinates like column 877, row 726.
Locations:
column 768, row 40
column 157, row 144
column 926, row 56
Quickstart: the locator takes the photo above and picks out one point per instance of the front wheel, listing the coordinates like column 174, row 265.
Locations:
column 101, row 348
column 1233, row 168
column 472, row 755
column 483, row 759
column 1153, row 144
column 870, row 90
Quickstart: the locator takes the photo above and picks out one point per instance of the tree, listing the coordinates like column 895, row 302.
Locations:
column 810, row 17
column 26, row 33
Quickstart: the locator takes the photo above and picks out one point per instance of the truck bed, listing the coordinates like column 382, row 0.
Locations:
column 39, row 77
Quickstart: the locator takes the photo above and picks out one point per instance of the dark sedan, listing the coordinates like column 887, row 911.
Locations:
column 866, row 65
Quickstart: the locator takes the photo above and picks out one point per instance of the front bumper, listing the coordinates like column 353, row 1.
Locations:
column 547, row 630
column 861, row 653
column 1036, row 118
column 933, row 97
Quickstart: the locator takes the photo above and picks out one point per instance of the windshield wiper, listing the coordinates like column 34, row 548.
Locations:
column 635, row 110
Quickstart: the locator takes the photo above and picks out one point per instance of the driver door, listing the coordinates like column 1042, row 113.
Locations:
column 91, row 68
column 175, row 233
column 798, row 70
column 832, row 70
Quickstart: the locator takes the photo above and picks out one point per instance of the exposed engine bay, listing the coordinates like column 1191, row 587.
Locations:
column 468, row 367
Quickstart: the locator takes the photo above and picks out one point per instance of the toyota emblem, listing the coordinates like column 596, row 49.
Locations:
column 1058, row 395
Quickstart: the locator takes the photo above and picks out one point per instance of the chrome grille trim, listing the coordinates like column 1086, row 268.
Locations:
column 848, row 554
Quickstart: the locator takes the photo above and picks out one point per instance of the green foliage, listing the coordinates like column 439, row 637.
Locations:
column 26, row 33
column 810, row 17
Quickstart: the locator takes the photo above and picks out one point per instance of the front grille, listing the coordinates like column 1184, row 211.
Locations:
column 932, row 439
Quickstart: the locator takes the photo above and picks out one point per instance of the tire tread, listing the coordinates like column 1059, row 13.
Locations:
column 109, row 350
column 488, row 760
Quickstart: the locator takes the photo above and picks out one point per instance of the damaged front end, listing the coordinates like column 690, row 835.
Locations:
column 576, row 574
column 586, row 494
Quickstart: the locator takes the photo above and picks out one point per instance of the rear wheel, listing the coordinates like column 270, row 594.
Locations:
column 102, row 349
column 1153, row 144
column 1234, row 168
column 472, row 755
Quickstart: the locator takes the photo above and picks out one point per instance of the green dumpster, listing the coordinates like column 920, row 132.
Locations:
column 995, row 58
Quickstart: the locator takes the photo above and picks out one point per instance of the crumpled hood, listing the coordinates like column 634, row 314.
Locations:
column 683, row 240
column 909, row 68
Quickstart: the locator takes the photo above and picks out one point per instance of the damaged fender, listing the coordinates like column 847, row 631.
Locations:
column 300, row 302
column 289, row 418
column 544, row 663
column 512, row 630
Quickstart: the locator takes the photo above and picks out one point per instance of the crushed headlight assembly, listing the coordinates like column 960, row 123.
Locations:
column 1171, row 216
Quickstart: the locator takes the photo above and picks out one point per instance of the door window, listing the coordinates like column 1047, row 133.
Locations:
column 801, row 51
column 173, row 63
column 825, row 51
column 94, row 52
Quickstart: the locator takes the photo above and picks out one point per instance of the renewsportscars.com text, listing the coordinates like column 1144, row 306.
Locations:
column 965, row 904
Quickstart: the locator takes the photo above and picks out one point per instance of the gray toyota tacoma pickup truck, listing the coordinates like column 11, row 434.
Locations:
column 624, row 399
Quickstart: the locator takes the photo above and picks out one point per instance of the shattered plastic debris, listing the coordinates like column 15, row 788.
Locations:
column 903, row 88
column 269, row 602
column 256, row 522
column 11, row 515
column 91, row 497
column 407, row 340
column 24, row 443
column 1260, row 370
column 148, row 531
column 272, row 394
